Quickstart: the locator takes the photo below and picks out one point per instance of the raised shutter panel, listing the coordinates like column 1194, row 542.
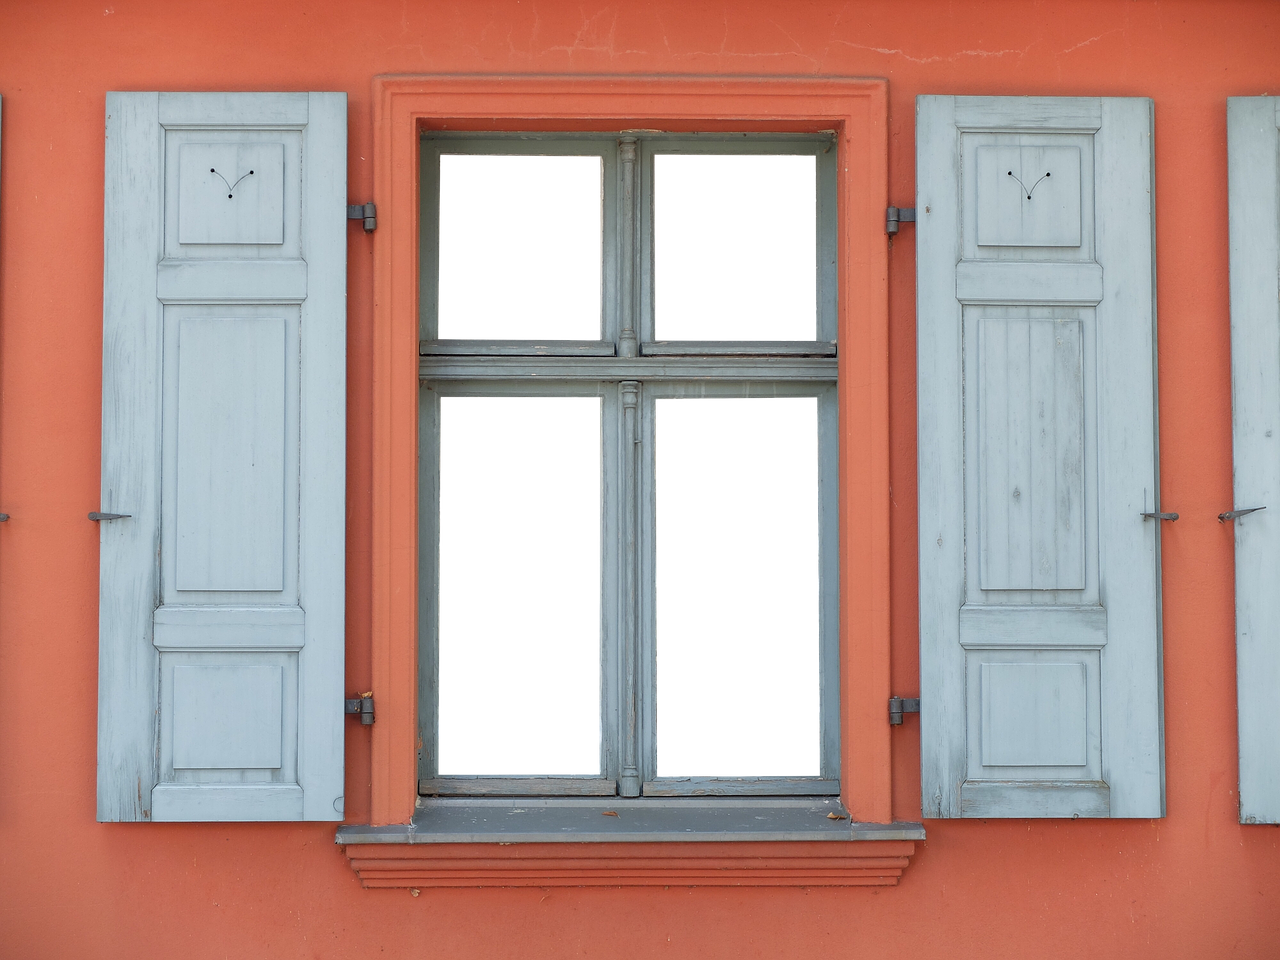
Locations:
column 1039, row 577
column 221, row 634
column 1253, row 146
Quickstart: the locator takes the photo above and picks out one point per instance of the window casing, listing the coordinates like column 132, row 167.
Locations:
column 631, row 372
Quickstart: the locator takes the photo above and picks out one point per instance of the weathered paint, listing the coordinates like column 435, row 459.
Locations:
column 1194, row 884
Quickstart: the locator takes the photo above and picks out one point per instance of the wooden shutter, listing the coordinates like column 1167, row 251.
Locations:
column 223, row 439
column 1039, row 576
column 1252, row 149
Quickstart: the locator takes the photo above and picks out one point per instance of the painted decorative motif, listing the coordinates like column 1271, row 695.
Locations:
column 231, row 193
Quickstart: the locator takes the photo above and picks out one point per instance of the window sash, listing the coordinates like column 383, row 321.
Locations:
column 827, row 781
column 429, row 247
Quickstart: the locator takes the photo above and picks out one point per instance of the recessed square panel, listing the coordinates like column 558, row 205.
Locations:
column 735, row 247
column 521, row 247
column 1034, row 714
column 1028, row 196
column 231, row 193
column 227, row 717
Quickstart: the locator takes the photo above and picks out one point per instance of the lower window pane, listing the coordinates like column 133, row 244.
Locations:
column 519, row 627
column 737, row 589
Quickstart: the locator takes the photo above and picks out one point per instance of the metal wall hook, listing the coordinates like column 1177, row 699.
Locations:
column 1237, row 514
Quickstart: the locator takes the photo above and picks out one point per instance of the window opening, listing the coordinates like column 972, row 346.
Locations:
column 736, row 586
column 734, row 246
column 519, row 670
column 524, row 251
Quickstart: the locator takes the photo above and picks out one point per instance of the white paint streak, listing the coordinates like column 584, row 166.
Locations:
column 895, row 52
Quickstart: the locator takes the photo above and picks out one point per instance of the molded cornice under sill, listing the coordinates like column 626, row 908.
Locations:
column 854, row 863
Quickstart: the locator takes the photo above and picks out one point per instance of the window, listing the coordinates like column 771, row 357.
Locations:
column 628, row 471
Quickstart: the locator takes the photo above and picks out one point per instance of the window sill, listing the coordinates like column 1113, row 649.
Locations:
column 652, row 842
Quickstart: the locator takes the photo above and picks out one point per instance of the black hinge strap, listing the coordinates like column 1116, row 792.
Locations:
column 368, row 212
column 96, row 516
column 896, row 215
column 361, row 706
column 900, row 705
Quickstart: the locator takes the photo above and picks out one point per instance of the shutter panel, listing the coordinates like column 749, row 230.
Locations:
column 221, row 640
column 1252, row 149
column 1039, row 577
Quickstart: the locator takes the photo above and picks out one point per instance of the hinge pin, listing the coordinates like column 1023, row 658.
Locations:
column 361, row 706
column 896, row 215
column 900, row 705
column 368, row 212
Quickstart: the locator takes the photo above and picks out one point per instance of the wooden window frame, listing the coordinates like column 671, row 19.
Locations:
column 855, row 111
column 725, row 368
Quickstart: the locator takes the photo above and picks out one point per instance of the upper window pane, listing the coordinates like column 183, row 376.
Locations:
column 735, row 247
column 521, row 246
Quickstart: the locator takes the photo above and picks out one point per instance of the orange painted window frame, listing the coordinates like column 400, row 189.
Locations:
column 856, row 109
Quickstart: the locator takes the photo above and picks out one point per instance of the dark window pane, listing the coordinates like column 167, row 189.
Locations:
column 735, row 246
column 737, row 663
column 520, row 246
column 519, row 586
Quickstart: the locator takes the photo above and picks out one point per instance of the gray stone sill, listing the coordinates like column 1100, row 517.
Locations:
column 647, row 820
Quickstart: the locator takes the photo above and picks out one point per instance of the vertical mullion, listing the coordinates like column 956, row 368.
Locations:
column 629, row 781
column 827, row 247
column 647, row 679
column 612, row 692
column 429, row 242
column 628, row 345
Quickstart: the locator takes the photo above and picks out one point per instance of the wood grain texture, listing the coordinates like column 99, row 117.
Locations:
column 128, row 667
column 1037, row 415
column 224, row 400
column 1252, row 148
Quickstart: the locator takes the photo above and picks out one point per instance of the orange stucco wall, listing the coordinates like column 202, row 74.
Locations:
column 1195, row 884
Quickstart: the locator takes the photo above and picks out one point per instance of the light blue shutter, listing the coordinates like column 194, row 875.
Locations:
column 1252, row 149
column 1039, row 577
column 221, row 655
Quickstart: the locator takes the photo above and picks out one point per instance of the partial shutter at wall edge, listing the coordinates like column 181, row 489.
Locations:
column 1253, row 145
column 221, row 610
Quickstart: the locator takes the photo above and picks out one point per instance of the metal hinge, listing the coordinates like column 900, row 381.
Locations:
column 362, row 706
column 1160, row 516
column 368, row 212
column 95, row 516
column 900, row 705
column 896, row 215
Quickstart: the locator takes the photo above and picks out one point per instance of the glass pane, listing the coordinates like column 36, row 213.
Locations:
column 735, row 247
column 520, row 247
column 519, row 586
column 737, row 587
